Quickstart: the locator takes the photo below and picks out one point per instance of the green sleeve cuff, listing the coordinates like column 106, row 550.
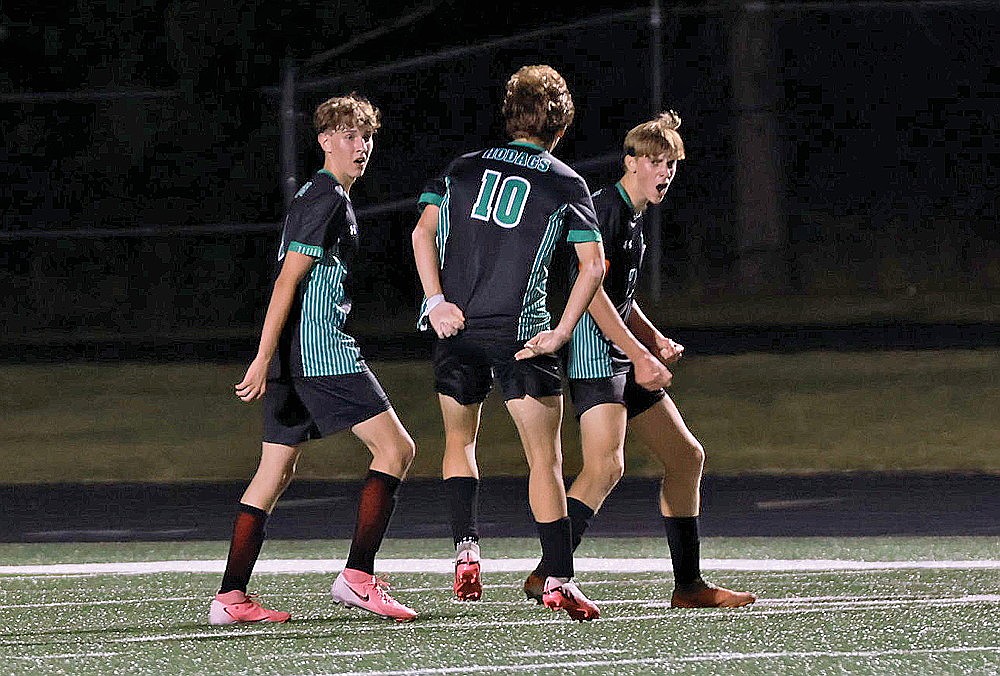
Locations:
column 576, row 236
column 430, row 198
column 306, row 249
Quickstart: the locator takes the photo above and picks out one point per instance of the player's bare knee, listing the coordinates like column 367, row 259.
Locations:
column 398, row 454
column 691, row 458
column 605, row 472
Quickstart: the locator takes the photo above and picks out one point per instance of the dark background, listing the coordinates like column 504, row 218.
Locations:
column 833, row 149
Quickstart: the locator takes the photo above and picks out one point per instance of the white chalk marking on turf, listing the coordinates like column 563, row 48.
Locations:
column 63, row 656
column 286, row 632
column 478, row 668
column 656, row 660
column 553, row 653
column 587, row 565
column 338, row 653
column 711, row 657
column 116, row 602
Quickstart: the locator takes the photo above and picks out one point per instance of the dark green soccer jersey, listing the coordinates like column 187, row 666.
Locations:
column 503, row 210
column 321, row 224
column 591, row 355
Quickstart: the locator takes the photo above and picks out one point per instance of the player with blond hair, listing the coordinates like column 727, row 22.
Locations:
column 313, row 379
column 617, row 368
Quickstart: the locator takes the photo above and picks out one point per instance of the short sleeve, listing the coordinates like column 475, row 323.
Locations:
column 312, row 225
column 581, row 220
column 433, row 193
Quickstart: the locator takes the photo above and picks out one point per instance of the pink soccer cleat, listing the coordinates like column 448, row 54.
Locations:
column 358, row 589
column 236, row 607
column 468, row 585
column 561, row 594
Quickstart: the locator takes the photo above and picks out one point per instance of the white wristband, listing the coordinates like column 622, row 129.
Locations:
column 434, row 301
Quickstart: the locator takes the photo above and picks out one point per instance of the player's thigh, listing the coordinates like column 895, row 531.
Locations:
column 461, row 421
column 384, row 434
column 537, row 422
column 662, row 429
column 602, row 433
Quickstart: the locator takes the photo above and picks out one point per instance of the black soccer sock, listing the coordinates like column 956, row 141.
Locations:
column 463, row 506
column 557, row 547
column 581, row 516
column 375, row 506
column 244, row 548
column 685, row 548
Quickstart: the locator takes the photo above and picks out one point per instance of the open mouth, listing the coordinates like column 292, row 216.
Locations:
column 662, row 187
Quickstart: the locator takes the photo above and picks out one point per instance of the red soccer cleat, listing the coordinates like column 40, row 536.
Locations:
column 561, row 594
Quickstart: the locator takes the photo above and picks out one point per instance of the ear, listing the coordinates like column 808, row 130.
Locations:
column 631, row 163
column 323, row 139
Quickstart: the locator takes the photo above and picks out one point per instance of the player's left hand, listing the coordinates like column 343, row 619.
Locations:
column 668, row 351
column 546, row 342
column 254, row 383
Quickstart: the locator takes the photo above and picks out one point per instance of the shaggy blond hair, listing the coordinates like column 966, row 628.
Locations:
column 347, row 112
column 656, row 137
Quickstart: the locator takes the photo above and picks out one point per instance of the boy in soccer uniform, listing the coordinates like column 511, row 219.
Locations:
column 483, row 246
column 616, row 364
column 313, row 379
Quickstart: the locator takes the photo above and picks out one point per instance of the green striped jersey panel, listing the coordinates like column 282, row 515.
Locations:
column 589, row 351
column 534, row 315
column 326, row 350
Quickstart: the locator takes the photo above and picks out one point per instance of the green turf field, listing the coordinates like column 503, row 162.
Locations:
column 813, row 411
column 827, row 606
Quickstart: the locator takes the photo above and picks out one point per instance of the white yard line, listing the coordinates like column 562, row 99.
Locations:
column 62, row 656
column 712, row 657
column 583, row 664
column 583, row 565
column 469, row 624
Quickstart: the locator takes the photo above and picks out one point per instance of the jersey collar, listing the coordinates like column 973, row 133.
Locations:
column 624, row 193
column 330, row 174
column 525, row 144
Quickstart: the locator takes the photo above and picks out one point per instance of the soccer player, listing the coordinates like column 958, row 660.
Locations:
column 313, row 379
column 483, row 246
column 617, row 368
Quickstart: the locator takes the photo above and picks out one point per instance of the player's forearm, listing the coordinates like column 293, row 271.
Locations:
column 588, row 281
column 425, row 254
column 425, row 251
column 611, row 325
column 278, row 310
column 642, row 328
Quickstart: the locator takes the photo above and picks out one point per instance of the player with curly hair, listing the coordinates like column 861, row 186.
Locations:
column 313, row 379
column 483, row 247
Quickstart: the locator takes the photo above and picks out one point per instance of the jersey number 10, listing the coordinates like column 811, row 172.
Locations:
column 506, row 208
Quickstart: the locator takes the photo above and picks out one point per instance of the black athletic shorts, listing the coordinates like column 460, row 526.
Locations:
column 300, row 409
column 464, row 368
column 618, row 389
